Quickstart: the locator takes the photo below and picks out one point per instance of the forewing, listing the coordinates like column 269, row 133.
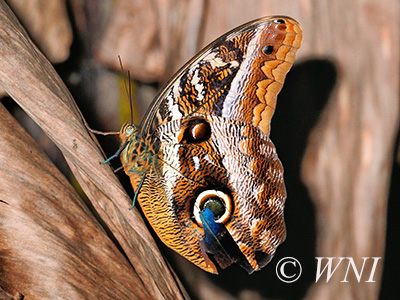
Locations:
column 237, row 77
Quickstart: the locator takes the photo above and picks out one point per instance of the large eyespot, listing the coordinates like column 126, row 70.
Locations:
column 196, row 130
column 217, row 201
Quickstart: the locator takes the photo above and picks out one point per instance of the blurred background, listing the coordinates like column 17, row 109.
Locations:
column 336, row 127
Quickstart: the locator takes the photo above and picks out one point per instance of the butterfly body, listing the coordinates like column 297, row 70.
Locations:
column 138, row 154
column 204, row 147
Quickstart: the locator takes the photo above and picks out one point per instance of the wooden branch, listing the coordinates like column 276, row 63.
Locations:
column 51, row 245
column 349, row 157
column 31, row 81
column 347, row 163
column 48, row 25
column 164, row 44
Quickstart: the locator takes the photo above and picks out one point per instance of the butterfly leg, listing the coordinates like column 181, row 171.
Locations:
column 98, row 132
column 137, row 189
column 116, row 153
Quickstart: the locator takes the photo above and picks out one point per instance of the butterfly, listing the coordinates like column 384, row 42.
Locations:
column 205, row 172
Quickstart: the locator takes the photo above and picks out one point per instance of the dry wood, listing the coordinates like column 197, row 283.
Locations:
column 349, row 157
column 47, row 24
column 348, row 160
column 30, row 79
column 6, row 296
column 151, row 43
column 132, row 22
column 51, row 245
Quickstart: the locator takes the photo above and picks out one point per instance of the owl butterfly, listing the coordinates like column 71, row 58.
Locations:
column 205, row 172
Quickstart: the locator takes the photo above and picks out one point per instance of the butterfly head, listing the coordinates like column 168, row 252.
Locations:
column 128, row 130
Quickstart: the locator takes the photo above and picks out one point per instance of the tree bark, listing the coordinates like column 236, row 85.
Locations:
column 31, row 81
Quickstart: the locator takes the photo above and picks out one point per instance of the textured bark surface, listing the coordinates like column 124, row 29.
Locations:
column 347, row 166
column 345, row 87
column 51, row 245
column 349, row 157
column 48, row 25
column 39, row 91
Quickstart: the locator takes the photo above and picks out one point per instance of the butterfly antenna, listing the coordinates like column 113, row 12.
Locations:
column 130, row 95
column 128, row 87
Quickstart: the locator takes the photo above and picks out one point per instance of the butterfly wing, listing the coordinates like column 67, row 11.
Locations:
column 237, row 76
column 208, row 131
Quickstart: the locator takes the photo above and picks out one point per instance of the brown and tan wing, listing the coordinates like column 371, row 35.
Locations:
column 238, row 76
column 208, row 132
